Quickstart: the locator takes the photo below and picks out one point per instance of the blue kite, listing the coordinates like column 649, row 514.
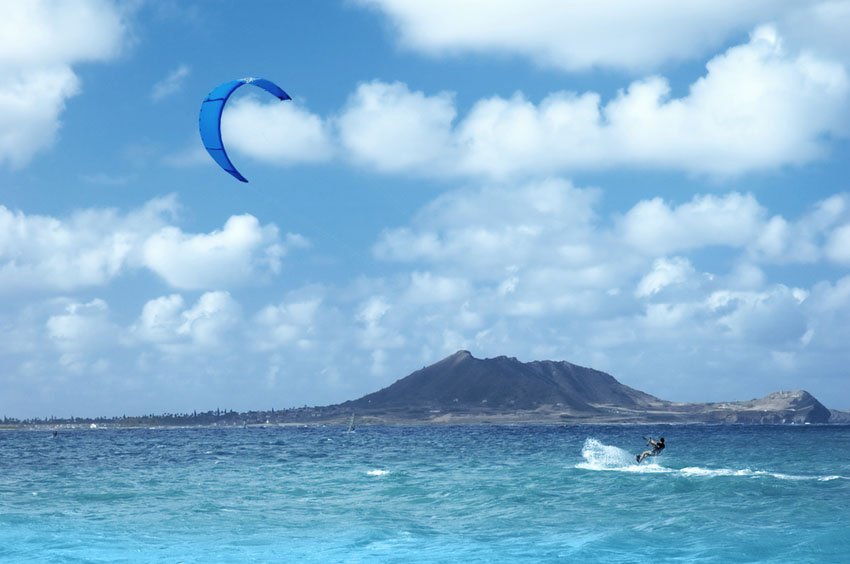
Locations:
column 209, row 121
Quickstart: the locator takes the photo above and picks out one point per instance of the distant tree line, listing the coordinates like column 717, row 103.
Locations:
column 213, row 417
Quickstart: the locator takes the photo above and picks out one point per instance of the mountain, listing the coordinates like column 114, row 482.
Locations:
column 462, row 382
column 462, row 388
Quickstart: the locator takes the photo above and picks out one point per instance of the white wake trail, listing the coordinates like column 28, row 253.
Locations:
column 601, row 457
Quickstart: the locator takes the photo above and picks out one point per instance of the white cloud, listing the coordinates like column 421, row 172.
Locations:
column 59, row 31
column 806, row 239
column 81, row 326
column 84, row 335
column 278, row 132
column 205, row 326
column 291, row 323
column 576, row 35
column 653, row 227
column 426, row 288
column 664, row 273
column 819, row 26
column 392, row 129
column 745, row 276
column 370, row 316
column 838, row 246
column 773, row 317
column 832, row 298
column 758, row 107
column 242, row 252
column 31, row 102
column 210, row 320
column 40, row 40
column 93, row 247
column 171, row 84
column 535, row 250
column 89, row 248
column 160, row 319
column 497, row 228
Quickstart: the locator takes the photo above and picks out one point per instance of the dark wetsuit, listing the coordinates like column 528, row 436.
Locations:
column 657, row 447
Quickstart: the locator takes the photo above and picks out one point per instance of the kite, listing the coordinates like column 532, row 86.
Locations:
column 209, row 120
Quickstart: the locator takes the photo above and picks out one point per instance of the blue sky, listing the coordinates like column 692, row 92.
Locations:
column 653, row 190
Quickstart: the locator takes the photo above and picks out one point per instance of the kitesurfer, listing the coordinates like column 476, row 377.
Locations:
column 657, row 447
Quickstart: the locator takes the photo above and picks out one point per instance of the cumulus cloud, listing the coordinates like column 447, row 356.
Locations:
column 167, row 323
column 80, row 326
column 59, row 31
column 664, row 273
column 297, row 322
column 370, row 317
column 838, row 246
column 160, row 319
column 546, row 239
column 426, row 288
column 819, row 26
column 390, row 128
column 758, row 106
column 815, row 234
column 738, row 221
column 83, row 333
column 654, row 227
column 89, row 248
column 40, row 41
column 575, row 35
column 729, row 116
column 768, row 317
column 93, row 247
column 279, row 132
column 495, row 228
column 243, row 251
column 208, row 322
column 531, row 251
column 31, row 102
column 542, row 250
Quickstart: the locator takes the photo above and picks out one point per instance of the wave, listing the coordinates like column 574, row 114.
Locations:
column 601, row 457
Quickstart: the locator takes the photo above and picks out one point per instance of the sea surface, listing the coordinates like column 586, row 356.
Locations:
column 426, row 494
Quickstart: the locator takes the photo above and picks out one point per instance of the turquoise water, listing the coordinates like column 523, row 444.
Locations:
column 426, row 494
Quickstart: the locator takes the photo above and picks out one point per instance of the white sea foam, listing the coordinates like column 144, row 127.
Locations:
column 748, row 473
column 377, row 472
column 601, row 457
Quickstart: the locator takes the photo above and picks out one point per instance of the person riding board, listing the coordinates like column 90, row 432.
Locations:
column 657, row 447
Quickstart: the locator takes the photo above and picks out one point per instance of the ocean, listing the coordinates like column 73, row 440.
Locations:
column 426, row 494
